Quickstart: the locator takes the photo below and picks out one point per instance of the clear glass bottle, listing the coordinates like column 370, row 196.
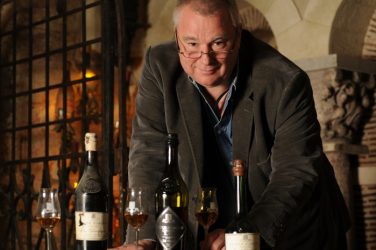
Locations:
column 91, row 204
column 171, row 202
column 237, row 235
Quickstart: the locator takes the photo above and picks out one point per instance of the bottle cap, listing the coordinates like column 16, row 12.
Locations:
column 91, row 142
column 238, row 167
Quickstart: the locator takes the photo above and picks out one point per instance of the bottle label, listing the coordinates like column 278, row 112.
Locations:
column 169, row 228
column 91, row 226
column 242, row 241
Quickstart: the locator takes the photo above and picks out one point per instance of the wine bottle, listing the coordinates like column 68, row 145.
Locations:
column 171, row 202
column 91, row 210
column 237, row 235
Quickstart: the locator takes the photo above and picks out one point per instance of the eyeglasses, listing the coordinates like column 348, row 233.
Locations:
column 218, row 54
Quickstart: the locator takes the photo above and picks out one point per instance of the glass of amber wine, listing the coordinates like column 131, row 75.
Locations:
column 136, row 210
column 206, row 207
column 48, row 212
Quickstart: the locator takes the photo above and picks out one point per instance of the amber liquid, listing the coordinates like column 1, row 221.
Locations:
column 206, row 218
column 136, row 220
column 48, row 222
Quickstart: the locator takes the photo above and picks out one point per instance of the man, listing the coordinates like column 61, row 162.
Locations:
column 230, row 96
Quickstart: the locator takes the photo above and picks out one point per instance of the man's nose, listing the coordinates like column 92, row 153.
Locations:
column 208, row 56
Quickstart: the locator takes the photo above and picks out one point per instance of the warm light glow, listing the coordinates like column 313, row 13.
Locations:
column 75, row 184
column 178, row 200
column 89, row 73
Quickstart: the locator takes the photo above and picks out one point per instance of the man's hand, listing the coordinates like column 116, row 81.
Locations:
column 214, row 241
column 142, row 245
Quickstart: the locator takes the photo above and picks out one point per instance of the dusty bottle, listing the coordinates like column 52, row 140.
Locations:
column 171, row 202
column 91, row 209
column 237, row 235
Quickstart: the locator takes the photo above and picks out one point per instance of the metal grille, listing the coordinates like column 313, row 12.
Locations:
column 57, row 69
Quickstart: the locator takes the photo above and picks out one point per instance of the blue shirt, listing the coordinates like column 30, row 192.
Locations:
column 222, row 125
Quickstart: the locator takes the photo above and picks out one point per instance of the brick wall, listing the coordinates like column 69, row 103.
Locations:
column 365, row 192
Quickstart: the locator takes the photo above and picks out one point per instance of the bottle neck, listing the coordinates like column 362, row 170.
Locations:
column 91, row 160
column 172, row 158
column 241, row 199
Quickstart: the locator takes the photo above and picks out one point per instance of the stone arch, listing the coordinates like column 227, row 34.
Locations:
column 253, row 20
column 354, row 29
column 280, row 21
column 301, row 28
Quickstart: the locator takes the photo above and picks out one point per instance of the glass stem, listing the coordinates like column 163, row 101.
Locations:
column 49, row 239
column 137, row 230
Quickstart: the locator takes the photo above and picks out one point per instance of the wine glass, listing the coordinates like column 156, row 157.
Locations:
column 48, row 212
column 206, row 207
column 136, row 211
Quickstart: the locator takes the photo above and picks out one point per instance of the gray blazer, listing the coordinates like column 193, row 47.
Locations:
column 298, row 204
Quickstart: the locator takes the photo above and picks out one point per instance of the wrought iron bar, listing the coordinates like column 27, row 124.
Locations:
column 108, row 103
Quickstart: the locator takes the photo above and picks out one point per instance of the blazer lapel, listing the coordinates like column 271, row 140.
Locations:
column 242, row 125
column 242, row 120
column 190, row 106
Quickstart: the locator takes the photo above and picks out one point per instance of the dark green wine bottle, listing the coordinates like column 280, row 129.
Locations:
column 91, row 210
column 171, row 202
column 237, row 235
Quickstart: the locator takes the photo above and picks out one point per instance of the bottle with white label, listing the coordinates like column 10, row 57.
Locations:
column 91, row 210
column 171, row 203
column 237, row 235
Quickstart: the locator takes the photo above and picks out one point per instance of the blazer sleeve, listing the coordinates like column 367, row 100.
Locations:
column 294, row 160
column 147, row 151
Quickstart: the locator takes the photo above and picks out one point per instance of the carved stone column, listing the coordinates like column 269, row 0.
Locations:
column 343, row 91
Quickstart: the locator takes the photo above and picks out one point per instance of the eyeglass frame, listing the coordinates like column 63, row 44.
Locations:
column 211, row 53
